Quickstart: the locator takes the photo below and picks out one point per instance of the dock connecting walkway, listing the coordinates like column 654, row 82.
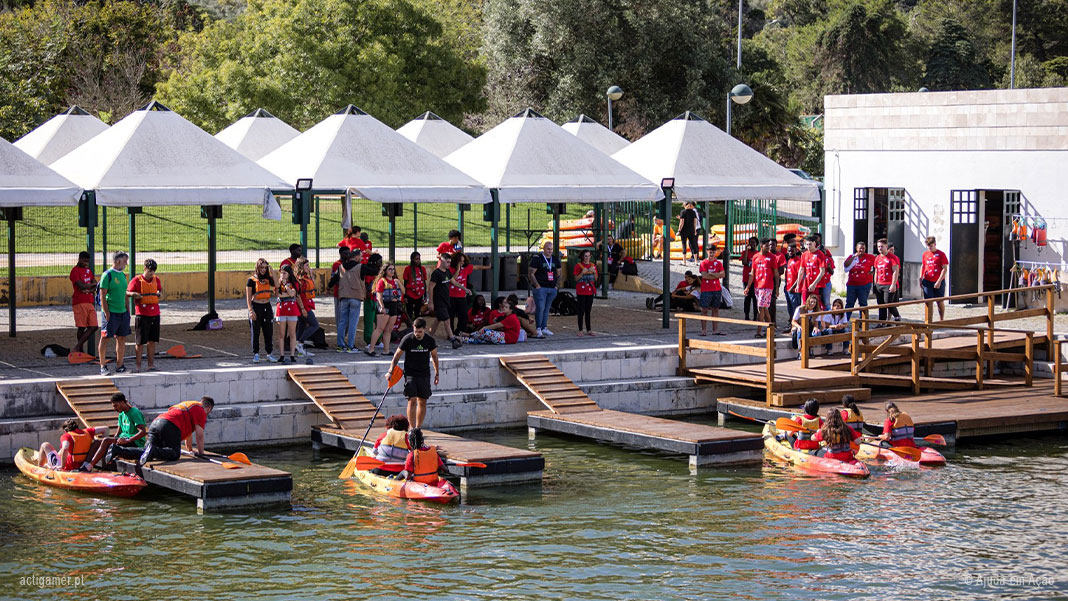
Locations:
column 351, row 412
column 90, row 399
column 570, row 411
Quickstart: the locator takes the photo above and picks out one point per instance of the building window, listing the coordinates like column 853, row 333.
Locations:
column 1012, row 202
column 896, row 204
column 963, row 206
column 860, row 204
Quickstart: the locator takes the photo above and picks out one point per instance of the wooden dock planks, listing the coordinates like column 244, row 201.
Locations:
column 335, row 395
column 548, row 384
column 91, row 400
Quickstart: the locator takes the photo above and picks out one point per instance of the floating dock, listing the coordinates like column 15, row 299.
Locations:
column 570, row 411
column 215, row 487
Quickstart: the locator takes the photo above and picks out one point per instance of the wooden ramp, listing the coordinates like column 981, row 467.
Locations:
column 215, row 487
column 548, row 384
column 504, row 465
column 91, row 400
column 571, row 411
column 335, row 395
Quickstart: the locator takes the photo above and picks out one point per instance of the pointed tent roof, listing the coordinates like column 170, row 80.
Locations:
column 257, row 134
column 434, row 134
column 25, row 181
column 352, row 150
column 708, row 164
column 531, row 159
column 593, row 133
column 156, row 157
column 60, row 135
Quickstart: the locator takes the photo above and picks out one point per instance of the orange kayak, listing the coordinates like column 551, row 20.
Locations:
column 97, row 483
column 440, row 492
column 872, row 454
column 801, row 460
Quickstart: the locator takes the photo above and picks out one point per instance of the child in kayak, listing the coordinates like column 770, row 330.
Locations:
column 898, row 428
column 836, row 436
column 423, row 462
column 851, row 414
column 76, row 446
column 392, row 445
column 810, row 421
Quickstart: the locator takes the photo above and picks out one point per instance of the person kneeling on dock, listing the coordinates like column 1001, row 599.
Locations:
column 130, row 442
column 423, row 462
column 811, row 422
column 167, row 431
column 898, row 428
column 76, row 446
column 392, row 446
column 836, row 437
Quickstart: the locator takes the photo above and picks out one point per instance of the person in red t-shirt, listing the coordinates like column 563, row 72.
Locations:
column 887, row 280
column 453, row 245
column 82, row 299
column 860, row 266
column 764, row 281
column 76, row 446
column 585, row 285
column 414, row 276
column 352, row 240
column 295, row 252
column 146, row 289
column 836, row 437
column 933, row 276
column 813, row 269
column 751, row 250
column 505, row 330
column 177, row 424
column 712, row 273
column 792, row 275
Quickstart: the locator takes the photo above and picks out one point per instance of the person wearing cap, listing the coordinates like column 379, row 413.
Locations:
column 115, row 315
column 145, row 289
column 81, row 300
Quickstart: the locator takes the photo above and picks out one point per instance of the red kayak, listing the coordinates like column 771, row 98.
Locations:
column 872, row 454
column 99, row 483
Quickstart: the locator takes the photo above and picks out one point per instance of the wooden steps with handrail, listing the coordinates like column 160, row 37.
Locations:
column 548, row 384
column 91, row 400
column 335, row 395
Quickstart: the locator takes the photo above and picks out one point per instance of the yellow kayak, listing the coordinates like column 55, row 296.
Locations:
column 801, row 460
column 440, row 492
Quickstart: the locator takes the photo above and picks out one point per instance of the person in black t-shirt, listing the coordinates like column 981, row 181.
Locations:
column 688, row 231
column 419, row 350
column 438, row 294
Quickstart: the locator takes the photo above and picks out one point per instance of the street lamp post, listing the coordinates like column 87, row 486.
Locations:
column 1012, row 59
column 739, row 35
column 740, row 94
column 614, row 93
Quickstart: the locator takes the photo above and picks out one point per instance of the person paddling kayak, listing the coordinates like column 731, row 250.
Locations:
column 76, row 446
column 851, row 414
column 836, row 436
column 810, row 421
column 898, row 428
column 392, row 445
column 423, row 462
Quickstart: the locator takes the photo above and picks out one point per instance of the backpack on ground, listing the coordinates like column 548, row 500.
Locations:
column 565, row 303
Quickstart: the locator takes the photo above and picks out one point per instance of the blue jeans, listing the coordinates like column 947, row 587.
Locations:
column 543, row 297
column 856, row 295
column 348, row 317
column 793, row 301
column 825, row 296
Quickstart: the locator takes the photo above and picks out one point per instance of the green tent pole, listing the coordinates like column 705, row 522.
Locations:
column 415, row 227
column 707, row 227
column 599, row 238
column 508, row 225
column 460, row 217
column 131, row 217
column 103, row 239
column 728, row 239
column 392, row 209
column 90, row 241
column 10, row 271
column 495, row 223
column 665, row 250
column 556, row 231
column 212, row 239
column 317, row 232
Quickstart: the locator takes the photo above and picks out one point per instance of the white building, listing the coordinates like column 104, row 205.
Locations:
column 955, row 165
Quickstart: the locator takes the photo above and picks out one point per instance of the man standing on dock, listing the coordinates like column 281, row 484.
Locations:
column 418, row 350
column 115, row 313
column 167, row 431
column 81, row 300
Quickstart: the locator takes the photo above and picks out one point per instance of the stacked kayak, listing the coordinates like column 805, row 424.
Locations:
column 782, row 450
column 99, row 483
column 876, row 455
column 440, row 492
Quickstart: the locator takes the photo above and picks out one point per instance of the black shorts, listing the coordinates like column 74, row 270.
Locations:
column 147, row 328
column 441, row 312
column 417, row 387
column 393, row 309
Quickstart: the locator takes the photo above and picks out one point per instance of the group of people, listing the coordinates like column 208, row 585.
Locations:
column 833, row 435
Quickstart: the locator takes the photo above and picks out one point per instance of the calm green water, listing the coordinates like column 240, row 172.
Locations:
column 607, row 523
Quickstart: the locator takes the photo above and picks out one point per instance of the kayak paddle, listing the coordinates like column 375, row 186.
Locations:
column 367, row 463
column 937, row 439
column 788, row 425
column 906, row 452
column 225, row 464
column 394, row 377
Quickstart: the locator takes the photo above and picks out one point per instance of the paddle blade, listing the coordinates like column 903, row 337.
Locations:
column 468, row 464
column 907, row 452
column 230, row 466
column 240, row 458
column 177, row 351
column 350, row 467
column 788, row 425
column 395, row 376
column 937, row 439
column 76, row 358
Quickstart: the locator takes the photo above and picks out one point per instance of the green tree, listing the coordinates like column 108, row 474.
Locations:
column 952, row 63
column 860, row 52
column 304, row 60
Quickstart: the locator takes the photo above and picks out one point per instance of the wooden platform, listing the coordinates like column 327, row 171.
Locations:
column 335, row 395
column 548, row 384
column 91, row 400
column 504, row 465
column 1002, row 340
column 704, row 445
column 215, row 487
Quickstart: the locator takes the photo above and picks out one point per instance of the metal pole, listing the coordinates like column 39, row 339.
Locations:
column 392, row 233
column 460, row 218
column 665, row 251
column 305, row 209
column 708, row 226
column 90, row 241
column 728, row 113
column 556, row 230
column 11, row 273
column 211, row 257
column 317, row 232
column 1012, row 67
column 508, row 225
column 132, row 218
column 739, row 35
column 609, row 112
column 495, row 261
column 598, row 238
column 728, row 240
column 103, row 239
column 415, row 227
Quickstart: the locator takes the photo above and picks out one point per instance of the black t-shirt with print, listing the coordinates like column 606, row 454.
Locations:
column 417, row 354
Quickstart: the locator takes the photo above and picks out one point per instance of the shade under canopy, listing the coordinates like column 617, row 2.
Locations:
column 25, row 181
column 61, row 134
column 155, row 157
column 708, row 164
column 257, row 134
column 434, row 134
column 528, row 158
column 352, row 150
column 593, row 133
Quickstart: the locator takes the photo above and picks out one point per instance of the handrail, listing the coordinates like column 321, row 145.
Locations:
column 768, row 352
column 932, row 326
column 920, row 301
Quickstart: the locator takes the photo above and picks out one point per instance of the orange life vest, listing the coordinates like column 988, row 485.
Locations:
column 425, row 465
column 903, row 428
column 264, row 290
column 79, row 451
column 307, row 291
column 149, row 291
column 809, row 423
column 853, row 419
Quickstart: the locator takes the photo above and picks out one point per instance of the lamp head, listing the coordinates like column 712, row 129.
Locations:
column 741, row 94
column 614, row 93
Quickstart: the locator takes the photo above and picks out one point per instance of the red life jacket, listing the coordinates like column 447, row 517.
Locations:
column 425, row 465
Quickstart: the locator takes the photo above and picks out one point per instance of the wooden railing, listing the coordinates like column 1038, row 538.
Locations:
column 767, row 351
column 1058, row 367
column 991, row 318
column 862, row 354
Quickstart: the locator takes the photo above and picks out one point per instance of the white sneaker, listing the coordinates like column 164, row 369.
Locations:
column 256, row 358
column 300, row 350
column 539, row 333
column 104, row 371
column 380, row 345
column 272, row 358
column 546, row 331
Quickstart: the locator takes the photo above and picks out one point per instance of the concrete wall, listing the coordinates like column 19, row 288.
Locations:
column 258, row 405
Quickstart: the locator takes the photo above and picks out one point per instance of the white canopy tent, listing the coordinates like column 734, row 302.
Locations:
column 257, row 134
column 61, row 134
column 528, row 158
column 708, row 164
column 25, row 181
column 593, row 133
column 434, row 134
